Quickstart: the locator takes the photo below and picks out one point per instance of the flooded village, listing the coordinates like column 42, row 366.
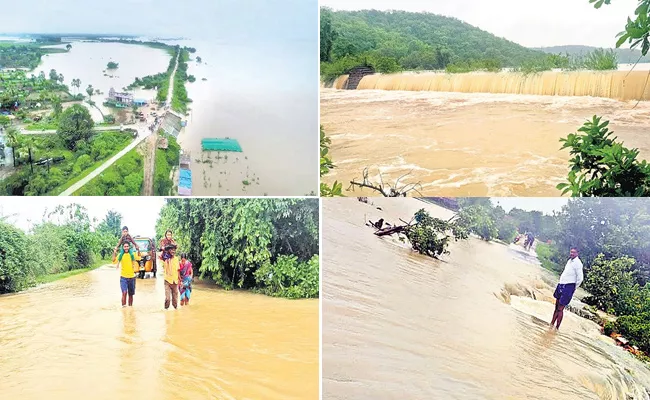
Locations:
column 132, row 99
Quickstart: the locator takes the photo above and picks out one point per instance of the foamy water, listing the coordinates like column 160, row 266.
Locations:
column 466, row 144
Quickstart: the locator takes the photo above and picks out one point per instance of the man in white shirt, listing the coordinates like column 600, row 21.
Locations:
column 570, row 280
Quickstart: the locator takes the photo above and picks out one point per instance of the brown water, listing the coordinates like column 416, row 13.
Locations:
column 267, row 99
column 622, row 85
column 466, row 144
column 70, row 338
column 397, row 325
column 87, row 61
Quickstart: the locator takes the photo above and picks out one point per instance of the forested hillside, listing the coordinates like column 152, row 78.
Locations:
column 625, row 56
column 398, row 40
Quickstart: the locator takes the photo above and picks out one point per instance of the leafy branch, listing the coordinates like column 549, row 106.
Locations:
column 428, row 235
column 601, row 166
column 325, row 165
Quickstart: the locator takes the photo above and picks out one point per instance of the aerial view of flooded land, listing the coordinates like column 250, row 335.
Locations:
column 177, row 111
column 475, row 101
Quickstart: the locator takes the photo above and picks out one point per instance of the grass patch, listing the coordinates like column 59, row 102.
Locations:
column 42, row 126
column 61, row 275
column 124, row 178
column 545, row 253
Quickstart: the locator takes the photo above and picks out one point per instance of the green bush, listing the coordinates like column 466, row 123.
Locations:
column 601, row 166
column 547, row 254
column 636, row 328
column 289, row 278
column 601, row 60
column 16, row 268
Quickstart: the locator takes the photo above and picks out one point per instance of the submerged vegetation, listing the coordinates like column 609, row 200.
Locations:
column 24, row 55
column 160, row 81
column 179, row 95
column 273, row 248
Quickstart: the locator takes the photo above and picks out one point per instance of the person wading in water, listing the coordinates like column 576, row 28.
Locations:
column 570, row 280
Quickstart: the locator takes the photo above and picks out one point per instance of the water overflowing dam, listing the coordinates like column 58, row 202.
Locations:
column 620, row 85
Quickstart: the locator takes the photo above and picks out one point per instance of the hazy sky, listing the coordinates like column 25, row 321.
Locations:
column 229, row 20
column 530, row 23
column 138, row 213
column 544, row 204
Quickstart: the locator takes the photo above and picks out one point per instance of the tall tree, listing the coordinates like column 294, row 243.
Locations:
column 327, row 34
column 75, row 124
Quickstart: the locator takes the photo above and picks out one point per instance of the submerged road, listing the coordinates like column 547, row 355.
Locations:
column 71, row 339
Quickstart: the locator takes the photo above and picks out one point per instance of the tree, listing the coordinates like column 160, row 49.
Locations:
column 54, row 76
column 90, row 91
column 112, row 65
column 61, row 78
column 68, row 46
column 611, row 285
column 327, row 34
column 198, row 59
column 230, row 240
column 57, row 108
column 75, row 124
column 111, row 224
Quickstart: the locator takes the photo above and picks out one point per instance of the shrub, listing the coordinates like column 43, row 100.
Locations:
column 602, row 167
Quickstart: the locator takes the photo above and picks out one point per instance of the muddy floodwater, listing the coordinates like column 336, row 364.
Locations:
column 271, row 109
column 87, row 61
column 71, row 338
column 397, row 325
column 466, row 144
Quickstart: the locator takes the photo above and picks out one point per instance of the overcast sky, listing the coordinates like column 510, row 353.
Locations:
column 138, row 213
column 544, row 204
column 226, row 20
column 530, row 23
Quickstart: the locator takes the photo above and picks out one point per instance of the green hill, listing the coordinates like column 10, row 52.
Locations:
column 624, row 56
column 398, row 40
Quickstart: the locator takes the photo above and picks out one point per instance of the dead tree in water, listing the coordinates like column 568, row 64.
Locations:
column 386, row 190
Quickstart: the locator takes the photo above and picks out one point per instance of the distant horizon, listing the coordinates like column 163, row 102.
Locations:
column 84, row 34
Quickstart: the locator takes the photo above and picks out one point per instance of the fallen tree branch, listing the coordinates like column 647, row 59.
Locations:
column 386, row 190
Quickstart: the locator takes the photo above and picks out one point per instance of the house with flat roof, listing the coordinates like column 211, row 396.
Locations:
column 120, row 97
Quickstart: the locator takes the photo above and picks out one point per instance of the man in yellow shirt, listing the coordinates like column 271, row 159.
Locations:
column 172, row 267
column 127, row 274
